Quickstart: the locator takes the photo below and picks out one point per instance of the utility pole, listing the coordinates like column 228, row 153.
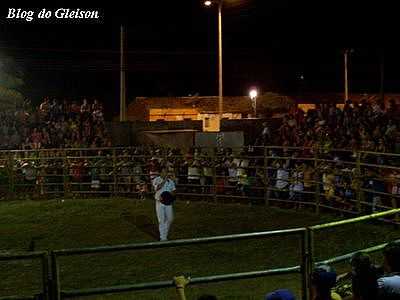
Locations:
column 382, row 86
column 208, row 3
column 122, row 99
column 346, row 80
column 220, row 83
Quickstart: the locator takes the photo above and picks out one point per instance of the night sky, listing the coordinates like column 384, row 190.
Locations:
column 172, row 48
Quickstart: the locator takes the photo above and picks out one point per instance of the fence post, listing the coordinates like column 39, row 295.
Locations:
column 214, row 157
column 311, row 257
column 266, row 177
column 11, row 177
column 114, row 160
column 65, row 174
column 55, row 278
column 305, row 273
column 46, row 277
column 358, row 176
column 396, row 216
column 317, row 182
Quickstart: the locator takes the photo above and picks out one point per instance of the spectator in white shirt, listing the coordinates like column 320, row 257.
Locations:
column 389, row 284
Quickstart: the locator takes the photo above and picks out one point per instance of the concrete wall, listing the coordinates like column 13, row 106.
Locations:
column 126, row 133
column 122, row 133
column 252, row 128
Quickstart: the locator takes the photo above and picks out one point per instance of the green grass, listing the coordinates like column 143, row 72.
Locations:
column 87, row 223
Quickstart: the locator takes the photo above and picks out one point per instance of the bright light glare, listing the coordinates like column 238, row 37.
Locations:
column 207, row 3
column 253, row 93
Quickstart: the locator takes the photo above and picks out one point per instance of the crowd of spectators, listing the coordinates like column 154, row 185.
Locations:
column 54, row 124
column 284, row 174
column 358, row 126
column 288, row 173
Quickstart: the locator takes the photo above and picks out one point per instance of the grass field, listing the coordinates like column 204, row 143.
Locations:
column 85, row 223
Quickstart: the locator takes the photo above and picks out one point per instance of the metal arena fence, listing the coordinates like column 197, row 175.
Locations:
column 52, row 285
column 340, row 180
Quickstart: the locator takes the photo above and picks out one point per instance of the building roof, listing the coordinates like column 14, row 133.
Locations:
column 139, row 109
column 208, row 104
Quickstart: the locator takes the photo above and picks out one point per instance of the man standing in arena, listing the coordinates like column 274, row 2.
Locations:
column 164, row 188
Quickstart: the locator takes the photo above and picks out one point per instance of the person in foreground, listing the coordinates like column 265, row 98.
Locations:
column 389, row 283
column 364, row 276
column 323, row 280
column 164, row 188
column 280, row 295
column 181, row 282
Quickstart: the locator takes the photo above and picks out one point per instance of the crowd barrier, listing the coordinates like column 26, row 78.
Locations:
column 334, row 179
column 127, row 172
column 46, row 283
column 52, row 285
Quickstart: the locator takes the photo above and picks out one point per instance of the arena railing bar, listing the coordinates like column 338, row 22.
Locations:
column 181, row 242
column 170, row 284
column 307, row 253
column 19, row 298
column 348, row 256
column 58, row 293
column 312, row 229
column 44, row 258
column 116, row 185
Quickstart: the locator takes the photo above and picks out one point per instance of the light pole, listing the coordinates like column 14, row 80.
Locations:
column 346, row 79
column 253, row 96
column 208, row 3
column 122, row 100
column 382, row 69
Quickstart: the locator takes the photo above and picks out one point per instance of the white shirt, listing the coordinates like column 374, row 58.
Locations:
column 282, row 177
column 389, row 286
column 169, row 186
column 297, row 185
column 193, row 173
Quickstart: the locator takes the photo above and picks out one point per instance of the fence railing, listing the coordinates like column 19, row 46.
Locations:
column 299, row 232
column 44, row 259
column 335, row 179
column 126, row 171
column 52, row 285
column 313, row 229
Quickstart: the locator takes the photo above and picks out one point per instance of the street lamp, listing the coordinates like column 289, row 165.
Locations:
column 253, row 96
column 208, row 3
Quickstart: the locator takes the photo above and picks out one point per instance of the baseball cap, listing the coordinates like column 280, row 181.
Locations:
column 324, row 276
column 280, row 295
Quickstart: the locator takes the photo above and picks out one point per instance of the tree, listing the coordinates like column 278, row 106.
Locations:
column 274, row 102
column 11, row 80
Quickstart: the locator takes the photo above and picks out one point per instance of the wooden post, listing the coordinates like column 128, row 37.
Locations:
column 305, row 265
column 395, row 206
column 215, row 177
column 311, row 257
column 11, row 175
column 46, row 277
column 65, row 174
column 266, row 177
column 317, row 183
column 358, row 174
column 114, row 160
column 55, row 277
